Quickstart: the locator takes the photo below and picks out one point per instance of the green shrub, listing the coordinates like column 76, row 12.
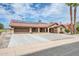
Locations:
column 1, row 26
column 77, row 28
column 67, row 31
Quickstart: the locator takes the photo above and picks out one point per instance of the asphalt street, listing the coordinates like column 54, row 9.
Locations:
column 64, row 50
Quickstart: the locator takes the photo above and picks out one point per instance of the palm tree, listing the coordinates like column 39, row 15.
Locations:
column 70, row 5
column 75, row 10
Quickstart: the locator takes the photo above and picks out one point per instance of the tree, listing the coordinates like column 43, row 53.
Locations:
column 67, row 30
column 70, row 5
column 75, row 10
column 77, row 28
column 1, row 26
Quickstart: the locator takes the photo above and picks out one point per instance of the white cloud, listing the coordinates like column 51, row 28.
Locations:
column 2, row 11
column 25, row 10
column 18, row 8
column 53, row 9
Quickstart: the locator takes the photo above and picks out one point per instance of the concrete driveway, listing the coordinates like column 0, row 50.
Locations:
column 23, row 39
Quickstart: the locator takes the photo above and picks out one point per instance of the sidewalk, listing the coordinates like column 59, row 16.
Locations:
column 27, row 49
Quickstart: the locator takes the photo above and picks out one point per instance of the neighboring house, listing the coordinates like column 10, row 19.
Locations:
column 38, row 27
column 61, row 29
column 68, row 26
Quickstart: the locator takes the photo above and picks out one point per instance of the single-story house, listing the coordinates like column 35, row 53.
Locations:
column 37, row 27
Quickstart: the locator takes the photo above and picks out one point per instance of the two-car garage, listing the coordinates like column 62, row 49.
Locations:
column 21, row 30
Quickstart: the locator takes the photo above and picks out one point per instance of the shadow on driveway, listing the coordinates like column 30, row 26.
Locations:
column 64, row 50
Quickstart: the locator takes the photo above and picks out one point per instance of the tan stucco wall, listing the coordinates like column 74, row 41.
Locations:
column 63, row 29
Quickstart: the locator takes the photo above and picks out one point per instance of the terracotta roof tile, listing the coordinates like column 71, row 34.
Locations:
column 32, row 24
column 28, row 24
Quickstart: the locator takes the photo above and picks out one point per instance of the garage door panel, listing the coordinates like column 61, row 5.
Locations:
column 21, row 30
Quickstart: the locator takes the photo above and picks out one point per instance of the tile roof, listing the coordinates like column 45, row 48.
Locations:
column 33, row 24
column 28, row 24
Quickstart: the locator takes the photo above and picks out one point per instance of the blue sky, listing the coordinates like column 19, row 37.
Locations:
column 32, row 12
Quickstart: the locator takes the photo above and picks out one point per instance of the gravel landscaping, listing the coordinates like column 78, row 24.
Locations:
column 4, row 40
